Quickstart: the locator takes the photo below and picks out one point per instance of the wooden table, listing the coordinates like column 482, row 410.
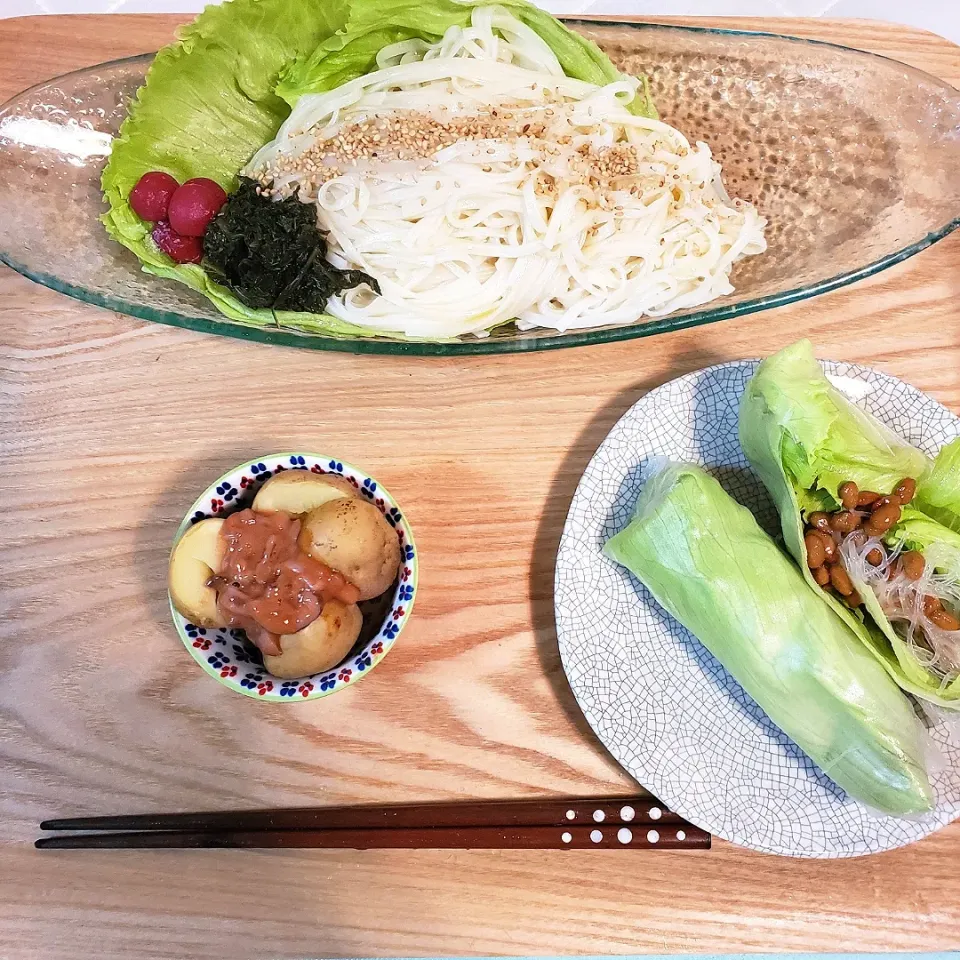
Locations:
column 108, row 428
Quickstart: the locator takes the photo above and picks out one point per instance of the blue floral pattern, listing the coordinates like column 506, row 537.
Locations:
column 362, row 662
column 228, row 655
column 226, row 490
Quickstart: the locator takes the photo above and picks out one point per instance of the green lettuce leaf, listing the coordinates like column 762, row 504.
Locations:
column 706, row 560
column 804, row 438
column 939, row 493
column 373, row 24
column 214, row 97
column 823, row 438
column 940, row 547
column 939, row 544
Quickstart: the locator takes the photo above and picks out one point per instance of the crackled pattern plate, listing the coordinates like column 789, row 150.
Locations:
column 853, row 158
column 658, row 700
column 230, row 658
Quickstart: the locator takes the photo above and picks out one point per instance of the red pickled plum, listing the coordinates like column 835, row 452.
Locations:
column 150, row 198
column 194, row 205
column 178, row 248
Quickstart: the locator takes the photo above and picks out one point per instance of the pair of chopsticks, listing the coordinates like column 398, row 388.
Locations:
column 620, row 822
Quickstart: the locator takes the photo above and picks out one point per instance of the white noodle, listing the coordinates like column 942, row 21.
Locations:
column 464, row 240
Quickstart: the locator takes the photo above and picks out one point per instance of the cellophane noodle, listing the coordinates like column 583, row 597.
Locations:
column 902, row 600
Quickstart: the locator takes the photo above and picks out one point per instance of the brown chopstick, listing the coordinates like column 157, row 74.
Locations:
column 551, row 824
column 481, row 813
column 639, row 836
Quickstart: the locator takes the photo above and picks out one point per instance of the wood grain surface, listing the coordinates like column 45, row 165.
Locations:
column 108, row 428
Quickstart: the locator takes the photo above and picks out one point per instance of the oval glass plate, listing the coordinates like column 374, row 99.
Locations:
column 663, row 706
column 853, row 158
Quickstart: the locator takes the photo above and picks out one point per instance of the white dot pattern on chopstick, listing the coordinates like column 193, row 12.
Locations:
column 599, row 816
column 624, row 835
column 655, row 813
column 571, row 814
column 566, row 836
column 596, row 836
column 627, row 813
column 681, row 835
column 652, row 836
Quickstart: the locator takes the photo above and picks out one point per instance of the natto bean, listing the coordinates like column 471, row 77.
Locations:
column 840, row 580
column 882, row 520
column 854, row 600
column 845, row 521
column 815, row 550
column 931, row 604
column 848, row 493
column 944, row 620
column 829, row 546
column 912, row 564
column 819, row 520
column 905, row 490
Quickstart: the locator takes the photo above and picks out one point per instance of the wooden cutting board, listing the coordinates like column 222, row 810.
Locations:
column 108, row 428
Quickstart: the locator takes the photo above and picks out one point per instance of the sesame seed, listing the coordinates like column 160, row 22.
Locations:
column 409, row 135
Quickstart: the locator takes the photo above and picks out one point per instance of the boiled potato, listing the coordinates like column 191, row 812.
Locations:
column 352, row 537
column 299, row 492
column 197, row 557
column 320, row 645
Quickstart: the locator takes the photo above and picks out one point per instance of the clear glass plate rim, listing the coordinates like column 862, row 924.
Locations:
column 520, row 343
column 739, row 32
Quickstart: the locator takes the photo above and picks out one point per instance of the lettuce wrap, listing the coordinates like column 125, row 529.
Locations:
column 805, row 438
column 221, row 92
column 706, row 560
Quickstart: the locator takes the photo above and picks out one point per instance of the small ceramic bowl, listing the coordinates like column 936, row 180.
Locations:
column 229, row 657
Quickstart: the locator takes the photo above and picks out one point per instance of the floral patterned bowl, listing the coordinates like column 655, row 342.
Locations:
column 229, row 657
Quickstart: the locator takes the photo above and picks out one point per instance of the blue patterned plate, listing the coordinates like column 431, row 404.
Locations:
column 661, row 704
column 227, row 655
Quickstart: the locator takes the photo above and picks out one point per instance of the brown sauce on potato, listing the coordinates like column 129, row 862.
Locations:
column 267, row 585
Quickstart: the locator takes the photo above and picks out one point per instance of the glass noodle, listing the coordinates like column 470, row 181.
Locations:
column 487, row 229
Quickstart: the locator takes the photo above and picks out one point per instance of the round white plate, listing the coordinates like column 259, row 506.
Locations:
column 658, row 700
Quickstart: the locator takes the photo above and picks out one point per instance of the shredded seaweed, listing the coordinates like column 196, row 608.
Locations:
column 271, row 253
